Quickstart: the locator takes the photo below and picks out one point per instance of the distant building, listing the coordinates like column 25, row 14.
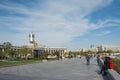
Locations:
column 89, row 49
column 114, row 48
column 92, row 49
column 39, row 48
column 51, row 51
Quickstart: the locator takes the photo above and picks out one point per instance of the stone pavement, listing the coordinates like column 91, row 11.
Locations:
column 68, row 69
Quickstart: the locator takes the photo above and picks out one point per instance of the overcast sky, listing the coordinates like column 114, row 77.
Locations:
column 61, row 23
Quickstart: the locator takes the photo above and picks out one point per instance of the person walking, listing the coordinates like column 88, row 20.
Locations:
column 98, row 61
column 87, row 58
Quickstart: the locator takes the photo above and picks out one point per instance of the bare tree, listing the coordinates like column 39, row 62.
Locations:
column 44, row 54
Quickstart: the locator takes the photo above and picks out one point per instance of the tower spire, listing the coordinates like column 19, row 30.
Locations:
column 31, row 38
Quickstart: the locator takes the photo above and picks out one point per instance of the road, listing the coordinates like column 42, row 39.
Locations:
column 67, row 69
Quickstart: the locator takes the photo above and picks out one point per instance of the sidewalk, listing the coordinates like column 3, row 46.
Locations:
column 68, row 69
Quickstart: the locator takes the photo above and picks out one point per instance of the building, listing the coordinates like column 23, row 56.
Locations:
column 114, row 48
column 89, row 49
column 51, row 51
column 92, row 49
column 32, row 43
column 39, row 48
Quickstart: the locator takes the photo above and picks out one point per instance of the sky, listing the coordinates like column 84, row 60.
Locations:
column 73, row 24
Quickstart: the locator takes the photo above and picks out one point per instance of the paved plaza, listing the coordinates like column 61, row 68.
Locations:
column 67, row 69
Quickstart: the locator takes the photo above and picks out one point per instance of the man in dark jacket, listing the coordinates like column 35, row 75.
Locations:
column 105, row 66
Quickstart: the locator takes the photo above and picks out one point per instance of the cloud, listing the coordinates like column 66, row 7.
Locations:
column 55, row 22
column 103, row 33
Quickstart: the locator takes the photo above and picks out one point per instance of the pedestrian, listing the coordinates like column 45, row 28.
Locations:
column 98, row 59
column 105, row 66
column 61, row 57
column 80, row 56
column 87, row 58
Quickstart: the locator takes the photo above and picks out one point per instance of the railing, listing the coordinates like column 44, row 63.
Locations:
column 111, row 73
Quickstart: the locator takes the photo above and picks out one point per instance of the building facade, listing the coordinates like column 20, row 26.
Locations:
column 114, row 48
column 89, row 49
column 50, row 51
column 39, row 48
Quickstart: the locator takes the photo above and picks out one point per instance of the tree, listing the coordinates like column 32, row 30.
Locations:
column 109, row 51
column 57, row 54
column 1, row 54
column 24, row 51
column 12, row 53
column 44, row 54
column 7, row 47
